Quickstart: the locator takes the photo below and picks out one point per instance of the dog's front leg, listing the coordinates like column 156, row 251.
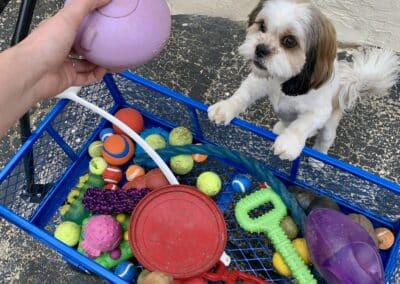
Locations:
column 291, row 141
column 251, row 89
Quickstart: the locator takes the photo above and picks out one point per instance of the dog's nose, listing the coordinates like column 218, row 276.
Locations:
column 262, row 50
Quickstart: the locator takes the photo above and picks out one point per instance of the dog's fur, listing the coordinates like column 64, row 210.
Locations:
column 292, row 49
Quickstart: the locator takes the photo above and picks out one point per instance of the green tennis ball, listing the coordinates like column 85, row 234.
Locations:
column 97, row 166
column 68, row 233
column 180, row 136
column 182, row 164
column 95, row 149
column 289, row 227
column 209, row 183
column 156, row 141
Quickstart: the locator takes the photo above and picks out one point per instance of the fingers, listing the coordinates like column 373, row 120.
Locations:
column 82, row 66
column 77, row 10
column 90, row 77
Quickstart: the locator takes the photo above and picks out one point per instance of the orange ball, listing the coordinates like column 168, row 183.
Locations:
column 118, row 150
column 133, row 172
column 130, row 117
column 199, row 158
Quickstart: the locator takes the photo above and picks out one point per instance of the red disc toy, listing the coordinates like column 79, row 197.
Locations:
column 179, row 231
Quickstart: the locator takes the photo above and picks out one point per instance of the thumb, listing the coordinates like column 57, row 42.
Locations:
column 76, row 10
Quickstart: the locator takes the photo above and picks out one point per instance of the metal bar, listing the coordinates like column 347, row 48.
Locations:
column 21, row 31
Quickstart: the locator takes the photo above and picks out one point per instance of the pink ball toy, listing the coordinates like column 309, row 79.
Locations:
column 124, row 33
column 102, row 234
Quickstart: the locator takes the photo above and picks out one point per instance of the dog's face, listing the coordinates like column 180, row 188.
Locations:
column 290, row 40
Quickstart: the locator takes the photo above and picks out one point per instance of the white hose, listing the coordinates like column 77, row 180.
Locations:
column 72, row 94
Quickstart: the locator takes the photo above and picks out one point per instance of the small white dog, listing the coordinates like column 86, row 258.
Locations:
column 292, row 49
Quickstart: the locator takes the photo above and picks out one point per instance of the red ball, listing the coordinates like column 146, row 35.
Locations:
column 130, row 117
column 155, row 179
column 118, row 150
column 138, row 183
column 112, row 175
column 111, row 186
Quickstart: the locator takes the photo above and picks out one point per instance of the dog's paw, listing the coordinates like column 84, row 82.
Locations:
column 222, row 112
column 278, row 128
column 288, row 146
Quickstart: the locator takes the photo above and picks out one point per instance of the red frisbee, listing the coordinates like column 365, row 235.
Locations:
column 179, row 231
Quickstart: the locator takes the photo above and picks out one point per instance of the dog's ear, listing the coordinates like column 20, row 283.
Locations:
column 301, row 83
column 326, row 52
column 320, row 58
column 254, row 13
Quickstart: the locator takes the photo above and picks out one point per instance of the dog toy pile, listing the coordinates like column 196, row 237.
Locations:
column 99, row 210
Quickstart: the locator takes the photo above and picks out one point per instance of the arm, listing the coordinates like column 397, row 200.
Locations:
column 38, row 67
column 251, row 89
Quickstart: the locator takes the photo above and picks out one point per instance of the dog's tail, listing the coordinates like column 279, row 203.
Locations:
column 372, row 72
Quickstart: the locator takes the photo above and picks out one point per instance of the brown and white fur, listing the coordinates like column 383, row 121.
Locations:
column 292, row 49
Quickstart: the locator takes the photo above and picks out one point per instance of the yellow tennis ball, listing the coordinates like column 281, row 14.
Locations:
column 68, row 232
column 280, row 266
column 180, row 136
column 182, row 164
column 121, row 218
column 126, row 236
column 300, row 245
column 209, row 183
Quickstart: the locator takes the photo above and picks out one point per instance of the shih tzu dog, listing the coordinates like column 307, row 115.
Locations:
column 292, row 49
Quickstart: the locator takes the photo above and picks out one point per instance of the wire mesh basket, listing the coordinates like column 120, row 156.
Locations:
column 37, row 180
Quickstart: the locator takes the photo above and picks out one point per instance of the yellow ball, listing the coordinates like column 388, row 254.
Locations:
column 280, row 266
column 121, row 218
column 209, row 183
column 126, row 236
column 300, row 245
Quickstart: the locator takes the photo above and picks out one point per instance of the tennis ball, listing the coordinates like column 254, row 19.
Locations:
column 112, row 174
column 126, row 271
column 97, row 166
column 133, row 172
column 209, row 183
column 156, row 141
column 280, row 266
column 105, row 133
column 118, row 149
column 68, row 233
column 385, row 238
column 130, row 117
column 241, row 183
column 182, row 164
column 289, row 227
column 95, row 149
column 180, row 136
column 199, row 158
column 301, row 247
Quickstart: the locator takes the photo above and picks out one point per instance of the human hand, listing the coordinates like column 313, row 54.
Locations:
column 50, row 46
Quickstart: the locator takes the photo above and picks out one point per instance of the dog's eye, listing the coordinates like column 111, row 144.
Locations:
column 289, row 42
column 263, row 28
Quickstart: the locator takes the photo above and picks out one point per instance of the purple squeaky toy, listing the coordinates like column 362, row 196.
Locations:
column 102, row 234
column 341, row 249
column 124, row 33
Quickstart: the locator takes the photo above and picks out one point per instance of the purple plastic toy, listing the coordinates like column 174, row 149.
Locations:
column 341, row 249
column 124, row 33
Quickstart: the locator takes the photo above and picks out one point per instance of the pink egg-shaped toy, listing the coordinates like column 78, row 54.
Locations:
column 124, row 33
column 102, row 234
